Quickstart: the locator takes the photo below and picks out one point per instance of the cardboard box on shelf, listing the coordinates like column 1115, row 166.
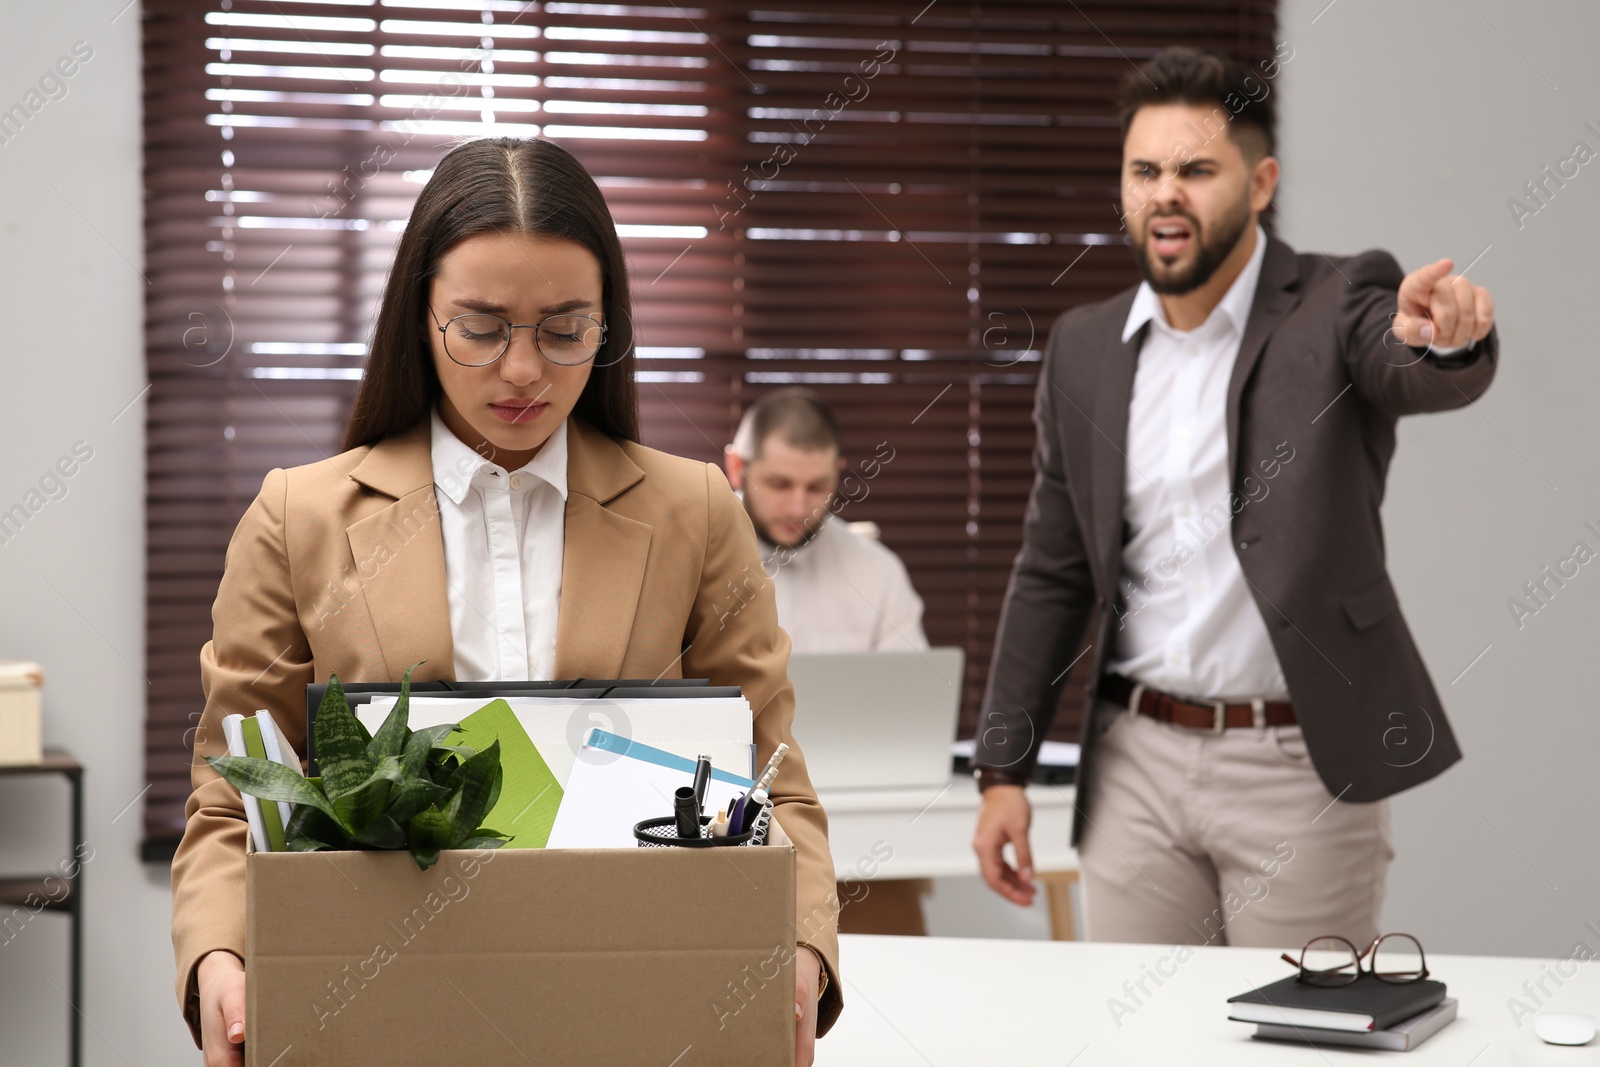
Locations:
column 20, row 732
column 564, row 956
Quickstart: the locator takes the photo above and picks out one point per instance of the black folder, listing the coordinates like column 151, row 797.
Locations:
column 1364, row 1005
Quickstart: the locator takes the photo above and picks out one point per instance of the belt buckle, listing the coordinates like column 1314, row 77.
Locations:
column 1219, row 716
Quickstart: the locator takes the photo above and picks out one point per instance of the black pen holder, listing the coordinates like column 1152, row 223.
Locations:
column 663, row 833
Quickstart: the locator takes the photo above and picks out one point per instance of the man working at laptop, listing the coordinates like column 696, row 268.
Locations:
column 1211, row 454
column 837, row 590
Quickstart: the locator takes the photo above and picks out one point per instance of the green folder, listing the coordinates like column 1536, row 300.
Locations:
column 529, row 792
column 271, row 817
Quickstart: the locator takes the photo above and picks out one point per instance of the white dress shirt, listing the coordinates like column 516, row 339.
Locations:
column 504, row 534
column 841, row 592
column 1190, row 624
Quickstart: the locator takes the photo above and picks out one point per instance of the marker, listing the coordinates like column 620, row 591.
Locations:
column 702, row 777
column 719, row 825
column 736, row 814
column 683, row 810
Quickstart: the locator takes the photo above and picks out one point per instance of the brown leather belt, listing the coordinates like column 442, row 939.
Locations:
column 1213, row 715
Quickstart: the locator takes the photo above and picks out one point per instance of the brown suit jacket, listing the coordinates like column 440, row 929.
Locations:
column 1315, row 375
column 338, row 567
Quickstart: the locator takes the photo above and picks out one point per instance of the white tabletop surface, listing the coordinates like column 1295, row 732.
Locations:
column 929, row 829
column 932, row 1002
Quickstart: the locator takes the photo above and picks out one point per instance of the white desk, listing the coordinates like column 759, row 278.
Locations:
column 932, row 1002
column 927, row 833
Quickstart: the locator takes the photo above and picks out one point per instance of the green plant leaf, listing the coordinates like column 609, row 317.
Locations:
column 425, row 857
column 341, row 743
column 414, row 795
column 414, row 761
column 391, row 736
column 442, row 763
column 311, row 830
column 494, row 789
column 389, row 769
column 364, row 803
column 430, row 828
column 382, row 832
column 487, row 839
column 306, row 844
column 478, row 780
column 267, row 780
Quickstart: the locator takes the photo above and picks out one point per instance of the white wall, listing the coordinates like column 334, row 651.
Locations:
column 71, row 581
column 1408, row 127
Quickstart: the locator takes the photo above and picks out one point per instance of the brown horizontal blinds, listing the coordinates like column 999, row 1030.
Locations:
column 887, row 202
column 923, row 188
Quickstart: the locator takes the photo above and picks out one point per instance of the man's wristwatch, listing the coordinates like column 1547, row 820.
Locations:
column 988, row 776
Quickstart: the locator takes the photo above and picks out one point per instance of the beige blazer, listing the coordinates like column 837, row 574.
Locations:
column 338, row 567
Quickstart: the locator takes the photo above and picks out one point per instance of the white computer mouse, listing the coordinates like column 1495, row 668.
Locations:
column 1564, row 1027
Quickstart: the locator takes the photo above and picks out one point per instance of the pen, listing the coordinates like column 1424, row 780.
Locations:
column 702, row 776
column 744, row 811
column 758, row 795
column 684, row 811
column 770, row 771
column 757, row 798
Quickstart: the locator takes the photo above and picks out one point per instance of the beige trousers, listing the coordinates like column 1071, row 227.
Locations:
column 1198, row 838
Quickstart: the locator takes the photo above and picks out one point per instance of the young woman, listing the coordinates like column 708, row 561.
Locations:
column 495, row 517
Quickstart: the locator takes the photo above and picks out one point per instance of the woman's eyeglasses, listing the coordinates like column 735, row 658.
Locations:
column 1333, row 961
column 477, row 340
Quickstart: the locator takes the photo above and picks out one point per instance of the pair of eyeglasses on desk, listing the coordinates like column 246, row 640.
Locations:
column 1334, row 961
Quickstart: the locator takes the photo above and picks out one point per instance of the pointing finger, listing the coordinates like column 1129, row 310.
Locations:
column 1417, row 288
column 1485, row 309
column 1443, row 311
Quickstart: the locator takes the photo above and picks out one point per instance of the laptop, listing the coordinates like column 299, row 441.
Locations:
column 877, row 720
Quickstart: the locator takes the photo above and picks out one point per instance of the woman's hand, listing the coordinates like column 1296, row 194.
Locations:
column 220, row 977
column 807, row 969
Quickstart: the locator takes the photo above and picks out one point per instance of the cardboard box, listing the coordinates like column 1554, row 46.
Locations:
column 545, row 956
column 21, row 738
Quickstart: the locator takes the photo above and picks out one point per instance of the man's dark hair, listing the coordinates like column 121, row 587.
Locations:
column 1189, row 76
column 798, row 414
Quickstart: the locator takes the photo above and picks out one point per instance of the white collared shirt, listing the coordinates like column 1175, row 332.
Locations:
column 842, row 592
column 504, row 535
column 1191, row 625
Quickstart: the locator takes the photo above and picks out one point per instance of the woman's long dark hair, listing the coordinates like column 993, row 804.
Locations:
column 508, row 185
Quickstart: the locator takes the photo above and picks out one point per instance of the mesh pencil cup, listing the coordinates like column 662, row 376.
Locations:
column 663, row 833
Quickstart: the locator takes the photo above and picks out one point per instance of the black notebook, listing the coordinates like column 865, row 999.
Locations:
column 1364, row 1005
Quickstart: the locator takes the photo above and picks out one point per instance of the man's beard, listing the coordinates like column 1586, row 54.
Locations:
column 1211, row 249
column 812, row 529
